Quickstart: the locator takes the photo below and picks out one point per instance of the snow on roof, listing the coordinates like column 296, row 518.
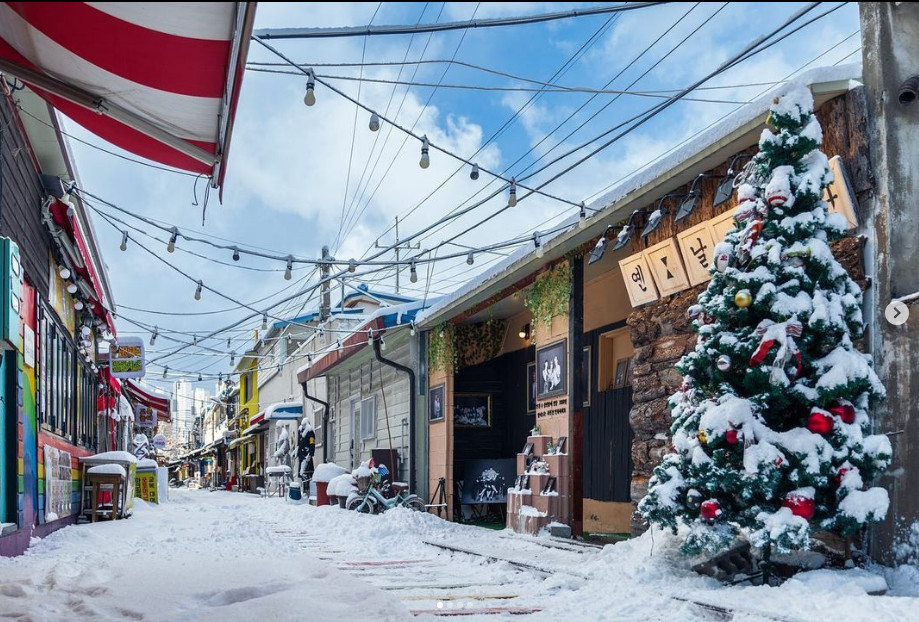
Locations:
column 608, row 203
column 396, row 315
column 110, row 456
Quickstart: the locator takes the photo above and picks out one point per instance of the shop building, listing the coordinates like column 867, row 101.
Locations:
column 580, row 335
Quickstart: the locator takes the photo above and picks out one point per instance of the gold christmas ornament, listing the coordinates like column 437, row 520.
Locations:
column 701, row 436
column 743, row 298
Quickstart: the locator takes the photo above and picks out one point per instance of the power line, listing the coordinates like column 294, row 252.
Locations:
column 357, row 31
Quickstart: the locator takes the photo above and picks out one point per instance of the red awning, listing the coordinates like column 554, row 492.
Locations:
column 135, row 393
column 160, row 80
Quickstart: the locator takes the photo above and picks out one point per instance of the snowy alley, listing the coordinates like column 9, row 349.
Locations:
column 216, row 555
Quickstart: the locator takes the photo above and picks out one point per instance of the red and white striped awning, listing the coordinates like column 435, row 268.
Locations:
column 158, row 79
column 138, row 395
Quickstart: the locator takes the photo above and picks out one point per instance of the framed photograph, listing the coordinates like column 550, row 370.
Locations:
column 560, row 447
column 436, row 403
column 523, row 482
column 585, row 377
column 487, row 481
column 622, row 371
column 531, row 387
column 527, row 449
column 472, row 410
column 550, row 486
column 552, row 370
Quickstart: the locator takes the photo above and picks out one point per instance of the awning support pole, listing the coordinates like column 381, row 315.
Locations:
column 325, row 421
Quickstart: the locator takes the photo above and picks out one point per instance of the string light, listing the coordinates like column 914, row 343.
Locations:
column 374, row 122
column 537, row 244
column 382, row 344
column 235, row 254
column 582, row 216
column 232, row 358
column 474, row 173
column 78, row 305
column 287, row 272
column 124, row 241
column 228, row 343
column 156, row 331
column 165, row 371
column 512, row 196
column 171, row 247
column 72, row 288
column 199, row 376
column 352, row 266
column 264, row 321
column 413, row 273
column 310, row 98
column 411, row 330
column 425, row 153
column 64, row 272
column 198, row 291
column 470, row 258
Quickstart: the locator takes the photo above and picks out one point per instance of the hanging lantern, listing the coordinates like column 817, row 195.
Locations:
column 743, row 298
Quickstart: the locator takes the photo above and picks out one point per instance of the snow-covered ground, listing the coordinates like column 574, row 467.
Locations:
column 217, row 555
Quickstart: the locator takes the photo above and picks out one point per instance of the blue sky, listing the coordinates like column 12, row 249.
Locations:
column 285, row 189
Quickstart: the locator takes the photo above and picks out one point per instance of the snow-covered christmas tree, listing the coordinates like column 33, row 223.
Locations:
column 771, row 433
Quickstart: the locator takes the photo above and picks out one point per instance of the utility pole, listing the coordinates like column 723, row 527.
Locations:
column 325, row 307
column 408, row 246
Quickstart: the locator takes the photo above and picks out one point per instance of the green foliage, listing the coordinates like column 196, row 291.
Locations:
column 441, row 348
column 549, row 295
column 477, row 343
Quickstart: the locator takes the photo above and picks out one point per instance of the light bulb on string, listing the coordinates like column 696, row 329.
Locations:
column 124, row 241
column 310, row 98
column 72, row 288
column 198, row 290
column 78, row 304
column 474, row 173
column 412, row 272
column 470, row 258
column 64, row 272
column 199, row 377
column 156, row 331
column 512, row 194
column 264, row 321
column 235, row 254
column 228, row 343
column 425, row 153
column 582, row 216
column 374, row 122
column 171, row 246
column 352, row 266
column 165, row 371
column 232, row 358
column 411, row 330
column 537, row 244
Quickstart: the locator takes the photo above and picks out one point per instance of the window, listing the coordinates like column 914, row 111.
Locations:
column 247, row 387
column 66, row 386
column 368, row 415
column 615, row 357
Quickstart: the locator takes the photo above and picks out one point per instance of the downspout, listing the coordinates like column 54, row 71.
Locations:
column 411, row 409
column 325, row 421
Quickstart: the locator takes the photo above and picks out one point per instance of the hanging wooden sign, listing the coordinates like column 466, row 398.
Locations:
column 667, row 267
column 721, row 225
column 697, row 246
column 838, row 195
column 638, row 282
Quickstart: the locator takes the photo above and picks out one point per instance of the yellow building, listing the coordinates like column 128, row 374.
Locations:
column 250, row 446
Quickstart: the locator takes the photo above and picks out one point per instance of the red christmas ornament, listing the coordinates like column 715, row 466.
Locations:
column 820, row 423
column 710, row 510
column 841, row 474
column 800, row 506
column 779, row 461
column 732, row 436
column 844, row 411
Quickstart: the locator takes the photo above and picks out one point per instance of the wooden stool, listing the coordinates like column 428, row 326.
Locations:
column 100, row 481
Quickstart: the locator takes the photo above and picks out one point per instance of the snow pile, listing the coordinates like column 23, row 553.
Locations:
column 327, row 471
column 847, row 581
column 146, row 463
column 107, row 469
column 114, row 456
column 341, row 485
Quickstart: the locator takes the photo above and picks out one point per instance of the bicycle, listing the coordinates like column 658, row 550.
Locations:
column 374, row 499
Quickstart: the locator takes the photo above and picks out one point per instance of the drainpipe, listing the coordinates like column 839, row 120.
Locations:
column 411, row 409
column 325, row 421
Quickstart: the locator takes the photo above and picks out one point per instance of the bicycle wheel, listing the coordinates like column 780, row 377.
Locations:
column 415, row 503
column 361, row 504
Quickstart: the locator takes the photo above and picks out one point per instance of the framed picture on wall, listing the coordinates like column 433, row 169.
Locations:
column 552, row 370
column 532, row 387
column 472, row 410
column 436, row 403
column 622, row 371
column 585, row 377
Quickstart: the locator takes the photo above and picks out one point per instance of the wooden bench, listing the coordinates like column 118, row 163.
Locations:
column 104, row 482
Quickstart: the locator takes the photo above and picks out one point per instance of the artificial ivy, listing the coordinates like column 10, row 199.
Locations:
column 549, row 294
column 477, row 343
column 442, row 348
